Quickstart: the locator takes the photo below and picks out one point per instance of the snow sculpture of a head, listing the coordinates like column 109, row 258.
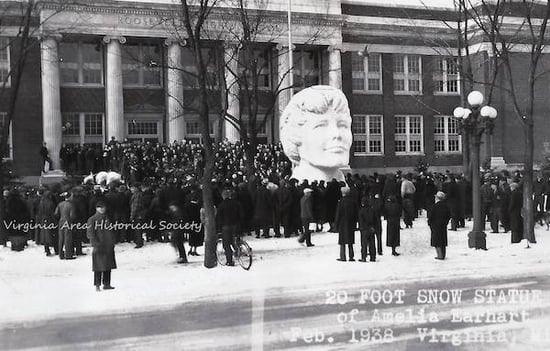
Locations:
column 315, row 130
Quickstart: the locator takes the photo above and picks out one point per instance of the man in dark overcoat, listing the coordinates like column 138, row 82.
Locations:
column 367, row 225
column 332, row 196
column 307, row 216
column 438, row 219
column 392, row 213
column 66, row 214
column 514, row 209
column 285, row 206
column 263, row 209
column 103, row 241
column 229, row 218
column 345, row 223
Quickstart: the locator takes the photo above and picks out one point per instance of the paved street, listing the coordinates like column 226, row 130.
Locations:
column 294, row 318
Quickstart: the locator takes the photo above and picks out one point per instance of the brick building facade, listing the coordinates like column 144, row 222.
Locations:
column 114, row 69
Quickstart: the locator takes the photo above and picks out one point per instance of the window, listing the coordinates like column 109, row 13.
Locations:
column 366, row 73
column 142, row 128
column 409, row 135
column 446, row 76
column 190, row 79
column 93, row 124
column 446, row 137
column 80, row 63
column 141, row 65
column 306, row 68
column 7, row 146
column 368, row 137
column 262, row 59
column 407, row 74
column 4, row 62
column 81, row 128
column 71, row 124
column 193, row 128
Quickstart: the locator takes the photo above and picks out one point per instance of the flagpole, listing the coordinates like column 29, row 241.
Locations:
column 290, row 53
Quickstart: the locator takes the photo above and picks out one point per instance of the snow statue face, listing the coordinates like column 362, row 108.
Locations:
column 315, row 130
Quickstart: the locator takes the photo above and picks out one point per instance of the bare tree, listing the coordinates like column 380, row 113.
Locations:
column 23, row 13
column 530, row 36
column 193, row 16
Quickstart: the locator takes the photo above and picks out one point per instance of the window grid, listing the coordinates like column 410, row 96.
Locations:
column 142, row 128
column 368, row 135
column 7, row 148
column 263, row 68
column 80, row 64
column 193, row 128
column 446, row 135
column 446, row 76
column 306, row 68
column 409, row 135
column 71, row 124
column 5, row 62
column 190, row 79
column 93, row 124
column 141, row 65
column 366, row 73
column 407, row 74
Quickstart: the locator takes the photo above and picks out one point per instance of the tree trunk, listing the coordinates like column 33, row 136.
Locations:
column 528, row 204
column 210, row 234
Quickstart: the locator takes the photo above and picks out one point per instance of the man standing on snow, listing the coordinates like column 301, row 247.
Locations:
column 103, row 241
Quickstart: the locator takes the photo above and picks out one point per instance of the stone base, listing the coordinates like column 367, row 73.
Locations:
column 498, row 162
column 53, row 176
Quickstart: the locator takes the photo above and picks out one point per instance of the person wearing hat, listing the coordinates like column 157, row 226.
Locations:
column 228, row 218
column 514, row 209
column 66, row 213
column 438, row 219
column 392, row 213
column 306, row 214
column 263, row 209
column 103, row 239
column 345, row 222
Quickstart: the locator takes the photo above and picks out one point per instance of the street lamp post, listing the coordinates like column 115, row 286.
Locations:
column 475, row 122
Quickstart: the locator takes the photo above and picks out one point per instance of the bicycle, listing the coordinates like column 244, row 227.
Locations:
column 242, row 252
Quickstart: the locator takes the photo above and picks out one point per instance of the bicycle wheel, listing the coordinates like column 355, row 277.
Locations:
column 220, row 252
column 245, row 255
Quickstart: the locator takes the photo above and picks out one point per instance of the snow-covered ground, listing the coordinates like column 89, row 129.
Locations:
column 35, row 287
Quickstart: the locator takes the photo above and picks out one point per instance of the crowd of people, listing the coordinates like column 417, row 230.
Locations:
column 162, row 186
column 138, row 162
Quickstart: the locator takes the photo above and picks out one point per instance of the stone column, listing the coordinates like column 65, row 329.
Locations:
column 175, row 119
column 114, row 106
column 231, row 60
column 283, row 76
column 51, row 98
column 334, row 67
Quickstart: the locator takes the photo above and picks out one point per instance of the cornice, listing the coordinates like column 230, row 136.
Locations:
column 170, row 12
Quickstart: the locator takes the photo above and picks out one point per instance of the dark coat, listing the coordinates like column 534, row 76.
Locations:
column 306, row 208
column 438, row 219
column 17, row 213
column 192, row 210
column 285, row 205
column 346, row 220
column 392, row 213
column 45, row 217
column 516, row 221
column 332, row 195
column 103, row 241
column 229, row 212
column 368, row 219
column 263, row 207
